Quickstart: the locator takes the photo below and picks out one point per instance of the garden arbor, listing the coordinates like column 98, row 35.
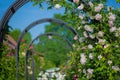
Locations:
column 60, row 22
column 10, row 12
column 32, row 54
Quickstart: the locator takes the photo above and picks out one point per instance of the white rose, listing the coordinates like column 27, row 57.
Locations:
column 109, row 62
column 81, row 7
column 112, row 29
column 92, row 36
column 110, row 23
column 100, row 34
column 81, row 39
column 73, row 45
column 88, row 28
column 85, row 34
column 116, row 68
column 79, row 27
column 75, row 37
column 98, row 9
column 101, row 41
column 98, row 16
column 90, row 46
column 107, row 45
column 57, row 6
column 90, row 56
column 90, row 71
column 84, row 71
column 50, row 37
column 99, row 57
column 112, row 17
column 101, row 5
column 90, row 4
column 83, row 58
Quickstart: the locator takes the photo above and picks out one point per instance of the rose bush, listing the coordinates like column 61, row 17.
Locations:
column 98, row 55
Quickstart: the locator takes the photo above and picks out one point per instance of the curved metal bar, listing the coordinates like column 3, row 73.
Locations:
column 33, row 25
column 9, row 13
column 27, row 54
column 52, row 34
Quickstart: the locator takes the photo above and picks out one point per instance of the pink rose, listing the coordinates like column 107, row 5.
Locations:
column 100, row 34
column 31, row 47
column 76, row 1
column 91, row 4
column 98, row 9
column 112, row 17
column 81, row 7
column 98, row 16
column 100, row 5
column 110, row 23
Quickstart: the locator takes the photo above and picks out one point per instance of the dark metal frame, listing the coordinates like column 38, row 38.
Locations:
column 60, row 22
column 27, row 53
column 9, row 13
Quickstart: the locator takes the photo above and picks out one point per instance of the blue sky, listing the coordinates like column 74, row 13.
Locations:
column 27, row 14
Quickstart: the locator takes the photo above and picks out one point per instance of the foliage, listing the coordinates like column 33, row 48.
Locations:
column 8, row 66
column 53, row 50
column 97, row 56
column 15, row 34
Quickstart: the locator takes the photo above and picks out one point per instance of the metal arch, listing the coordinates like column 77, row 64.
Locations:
column 9, row 13
column 46, row 34
column 52, row 34
column 33, row 25
column 12, row 9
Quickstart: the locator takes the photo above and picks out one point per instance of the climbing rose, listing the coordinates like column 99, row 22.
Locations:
column 91, row 36
column 90, row 46
column 90, row 56
column 100, row 34
column 81, row 7
column 79, row 27
column 90, row 71
column 90, row 4
column 85, row 34
column 50, row 37
column 75, row 38
column 112, row 29
column 107, row 45
column 101, row 5
column 101, row 41
column 110, row 23
column 109, row 62
column 83, row 58
column 76, row 1
column 116, row 68
column 99, row 8
column 81, row 39
column 57, row 6
column 88, row 28
column 98, row 16
column 99, row 57
column 112, row 17
column 84, row 71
